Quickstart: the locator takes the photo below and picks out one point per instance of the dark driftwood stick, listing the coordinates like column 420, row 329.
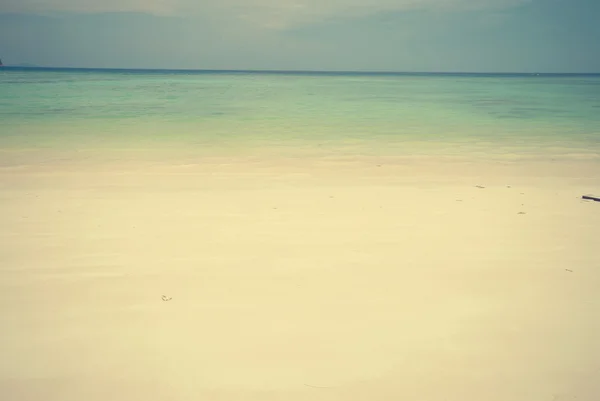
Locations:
column 591, row 198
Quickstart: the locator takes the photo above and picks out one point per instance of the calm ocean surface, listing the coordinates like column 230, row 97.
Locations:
column 290, row 112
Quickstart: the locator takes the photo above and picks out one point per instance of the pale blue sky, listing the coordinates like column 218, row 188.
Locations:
column 375, row 35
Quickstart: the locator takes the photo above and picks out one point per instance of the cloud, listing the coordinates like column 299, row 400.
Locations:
column 157, row 7
column 283, row 14
column 266, row 14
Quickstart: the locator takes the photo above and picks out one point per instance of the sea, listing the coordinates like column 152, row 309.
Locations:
column 290, row 114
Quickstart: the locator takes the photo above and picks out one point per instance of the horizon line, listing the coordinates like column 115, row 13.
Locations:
column 280, row 71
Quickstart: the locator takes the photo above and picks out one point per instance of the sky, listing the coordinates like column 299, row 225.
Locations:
column 335, row 35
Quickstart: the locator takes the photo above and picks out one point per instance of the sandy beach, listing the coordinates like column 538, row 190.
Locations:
column 355, row 280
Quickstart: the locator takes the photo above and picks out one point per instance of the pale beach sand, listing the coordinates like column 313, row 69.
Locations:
column 371, row 279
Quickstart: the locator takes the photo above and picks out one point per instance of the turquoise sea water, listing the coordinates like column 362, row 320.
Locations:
column 287, row 112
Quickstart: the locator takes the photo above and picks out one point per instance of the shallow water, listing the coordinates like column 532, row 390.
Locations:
column 301, row 113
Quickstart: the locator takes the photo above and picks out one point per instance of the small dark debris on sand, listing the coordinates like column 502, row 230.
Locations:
column 166, row 298
column 569, row 270
column 587, row 197
column 521, row 213
column 479, row 186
